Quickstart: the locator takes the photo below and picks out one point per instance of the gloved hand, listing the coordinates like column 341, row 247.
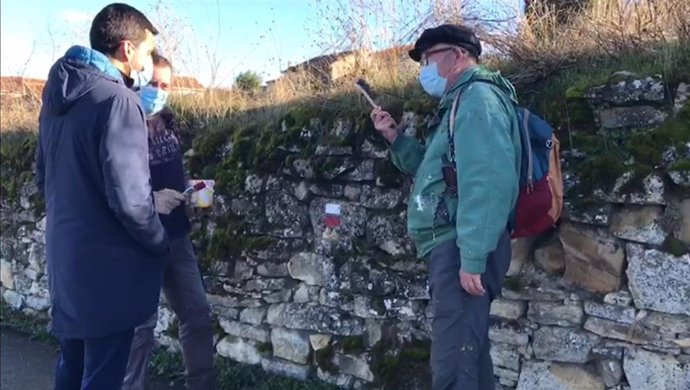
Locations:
column 166, row 200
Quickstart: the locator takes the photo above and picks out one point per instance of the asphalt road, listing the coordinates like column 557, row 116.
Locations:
column 28, row 364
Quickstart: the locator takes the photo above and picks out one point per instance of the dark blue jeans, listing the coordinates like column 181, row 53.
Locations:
column 460, row 358
column 93, row 364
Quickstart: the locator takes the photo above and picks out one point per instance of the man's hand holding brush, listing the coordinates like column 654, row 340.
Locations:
column 385, row 124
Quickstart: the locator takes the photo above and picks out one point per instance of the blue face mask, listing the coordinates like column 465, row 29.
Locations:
column 152, row 99
column 431, row 80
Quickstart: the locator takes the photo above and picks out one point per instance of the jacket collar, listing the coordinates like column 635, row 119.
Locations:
column 465, row 77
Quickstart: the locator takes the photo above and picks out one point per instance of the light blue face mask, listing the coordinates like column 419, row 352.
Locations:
column 141, row 78
column 431, row 80
column 152, row 99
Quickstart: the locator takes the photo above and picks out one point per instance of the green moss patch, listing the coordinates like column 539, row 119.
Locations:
column 17, row 153
column 680, row 166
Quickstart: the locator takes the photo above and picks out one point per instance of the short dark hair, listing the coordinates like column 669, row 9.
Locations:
column 159, row 60
column 118, row 22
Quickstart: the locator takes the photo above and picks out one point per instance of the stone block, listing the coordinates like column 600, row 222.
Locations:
column 551, row 258
column 610, row 371
column 646, row 370
column 555, row 313
column 286, row 369
column 641, row 224
column 563, row 345
column 637, row 117
column 239, row 350
column 593, row 260
column 659, row 281
column 290, row 345
column 311, row 268
column 555, row 376
column 507, row 309
column 625, row 315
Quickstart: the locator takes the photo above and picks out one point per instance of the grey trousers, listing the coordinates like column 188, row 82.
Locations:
column 460, row 358
column 184, row 291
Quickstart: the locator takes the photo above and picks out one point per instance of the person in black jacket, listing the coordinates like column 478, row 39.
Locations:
column 106, row 246
column 182, row 281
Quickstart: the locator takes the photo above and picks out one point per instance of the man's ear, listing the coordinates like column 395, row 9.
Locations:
column 461, row 53
column 127, row 50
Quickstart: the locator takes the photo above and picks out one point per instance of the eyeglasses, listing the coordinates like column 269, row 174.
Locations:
column 424, row 61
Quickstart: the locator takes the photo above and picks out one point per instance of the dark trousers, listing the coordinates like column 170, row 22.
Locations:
column 93, row 364
column 185, row 293
column 460, row 358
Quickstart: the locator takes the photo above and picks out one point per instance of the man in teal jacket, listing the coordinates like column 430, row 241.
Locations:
column 460, row 221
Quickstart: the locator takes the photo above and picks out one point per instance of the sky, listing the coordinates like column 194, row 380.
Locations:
column 214, row 40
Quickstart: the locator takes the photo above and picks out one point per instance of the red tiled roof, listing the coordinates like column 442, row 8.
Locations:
column 20, row 85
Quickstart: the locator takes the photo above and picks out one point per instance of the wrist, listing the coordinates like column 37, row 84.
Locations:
column 391, row 136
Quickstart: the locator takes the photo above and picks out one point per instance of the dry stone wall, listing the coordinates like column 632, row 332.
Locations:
column 603, row 302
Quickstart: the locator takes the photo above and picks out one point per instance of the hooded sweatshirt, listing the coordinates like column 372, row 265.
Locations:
column 105, row 245
column 487, row 153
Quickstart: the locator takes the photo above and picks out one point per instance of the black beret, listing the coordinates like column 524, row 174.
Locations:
column 447, row 33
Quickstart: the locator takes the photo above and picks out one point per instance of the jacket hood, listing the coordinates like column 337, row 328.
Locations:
column 480, row 73
column 74, row 75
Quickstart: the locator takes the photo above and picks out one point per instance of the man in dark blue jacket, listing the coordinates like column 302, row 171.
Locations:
column 105, row 242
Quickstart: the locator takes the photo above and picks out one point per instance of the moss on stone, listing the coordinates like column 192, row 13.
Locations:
column 38, row 205
column 514, row 283
column 680, row 166
column 220, row 245
column 265, row 348
column 299, row 117
column 378, row 305
column 17, row 152
column 324, row 359
column 675, row 246
column 352, row 344
column 217, row 328
column 388, row 174
column 417, row 351
column 635, row 185
column 324, row 167
column 257, row 243
column 230, row 239
column 600, row 171
column 394, row 369
column 387, row 368
column 207, row 148
column 612, row 154
column 578, row 112
column 648, row 148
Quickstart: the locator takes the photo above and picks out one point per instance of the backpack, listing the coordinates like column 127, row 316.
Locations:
column 540, row 199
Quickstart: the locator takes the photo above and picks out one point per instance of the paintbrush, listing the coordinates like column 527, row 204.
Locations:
column 365, row 89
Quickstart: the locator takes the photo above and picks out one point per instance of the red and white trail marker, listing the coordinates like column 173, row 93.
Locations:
column 332, row 215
